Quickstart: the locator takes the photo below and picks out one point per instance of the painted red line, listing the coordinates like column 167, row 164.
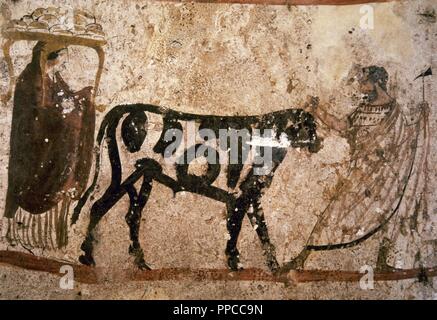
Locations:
column 283, row 2
column 85, row 274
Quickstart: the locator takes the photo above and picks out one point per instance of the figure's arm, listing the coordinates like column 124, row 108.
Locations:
column 325, row 117
column 330, row 120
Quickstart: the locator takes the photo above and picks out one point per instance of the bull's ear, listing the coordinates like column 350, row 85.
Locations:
column 316, row 146
column 134, row 130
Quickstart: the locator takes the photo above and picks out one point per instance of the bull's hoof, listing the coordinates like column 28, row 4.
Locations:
column 87, row 260
column 142, row 265
column 273, row 265
column 138, row 254
column 234, row 263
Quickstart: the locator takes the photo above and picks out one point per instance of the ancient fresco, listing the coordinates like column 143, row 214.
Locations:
column 151, row 144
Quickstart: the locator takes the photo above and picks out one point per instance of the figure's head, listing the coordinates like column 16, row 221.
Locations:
column 370, row 79
column 52, row 54
column 301, row 131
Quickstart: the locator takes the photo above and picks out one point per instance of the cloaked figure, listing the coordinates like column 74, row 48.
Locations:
column 386, row 178
column 52, row 132
column 51, row 139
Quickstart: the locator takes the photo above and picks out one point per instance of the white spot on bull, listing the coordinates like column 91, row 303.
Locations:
column 282, row 142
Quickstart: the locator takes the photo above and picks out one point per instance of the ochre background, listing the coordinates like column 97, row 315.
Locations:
column 229, row 59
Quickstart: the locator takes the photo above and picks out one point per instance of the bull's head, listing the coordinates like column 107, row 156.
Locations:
column 301, row 131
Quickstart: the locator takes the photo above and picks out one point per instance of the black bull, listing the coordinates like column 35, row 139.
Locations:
column 298, row 126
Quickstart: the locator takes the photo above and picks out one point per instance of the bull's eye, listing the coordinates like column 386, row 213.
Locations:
column 303, row 134
column 134, row 130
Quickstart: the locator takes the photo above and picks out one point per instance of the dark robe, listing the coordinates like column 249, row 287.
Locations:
column 51, row 141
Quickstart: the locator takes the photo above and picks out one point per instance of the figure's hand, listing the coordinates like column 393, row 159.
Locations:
column 311, row 104
column 101, row 107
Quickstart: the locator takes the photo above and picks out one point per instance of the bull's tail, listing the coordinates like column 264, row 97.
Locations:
column 83, row 199
column 111, row 118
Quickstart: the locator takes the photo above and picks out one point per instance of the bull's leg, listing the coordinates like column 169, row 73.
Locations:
column 249, row 202
column 133, row 219
column 236, row 212
column 258, row 222
column 98, row 210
